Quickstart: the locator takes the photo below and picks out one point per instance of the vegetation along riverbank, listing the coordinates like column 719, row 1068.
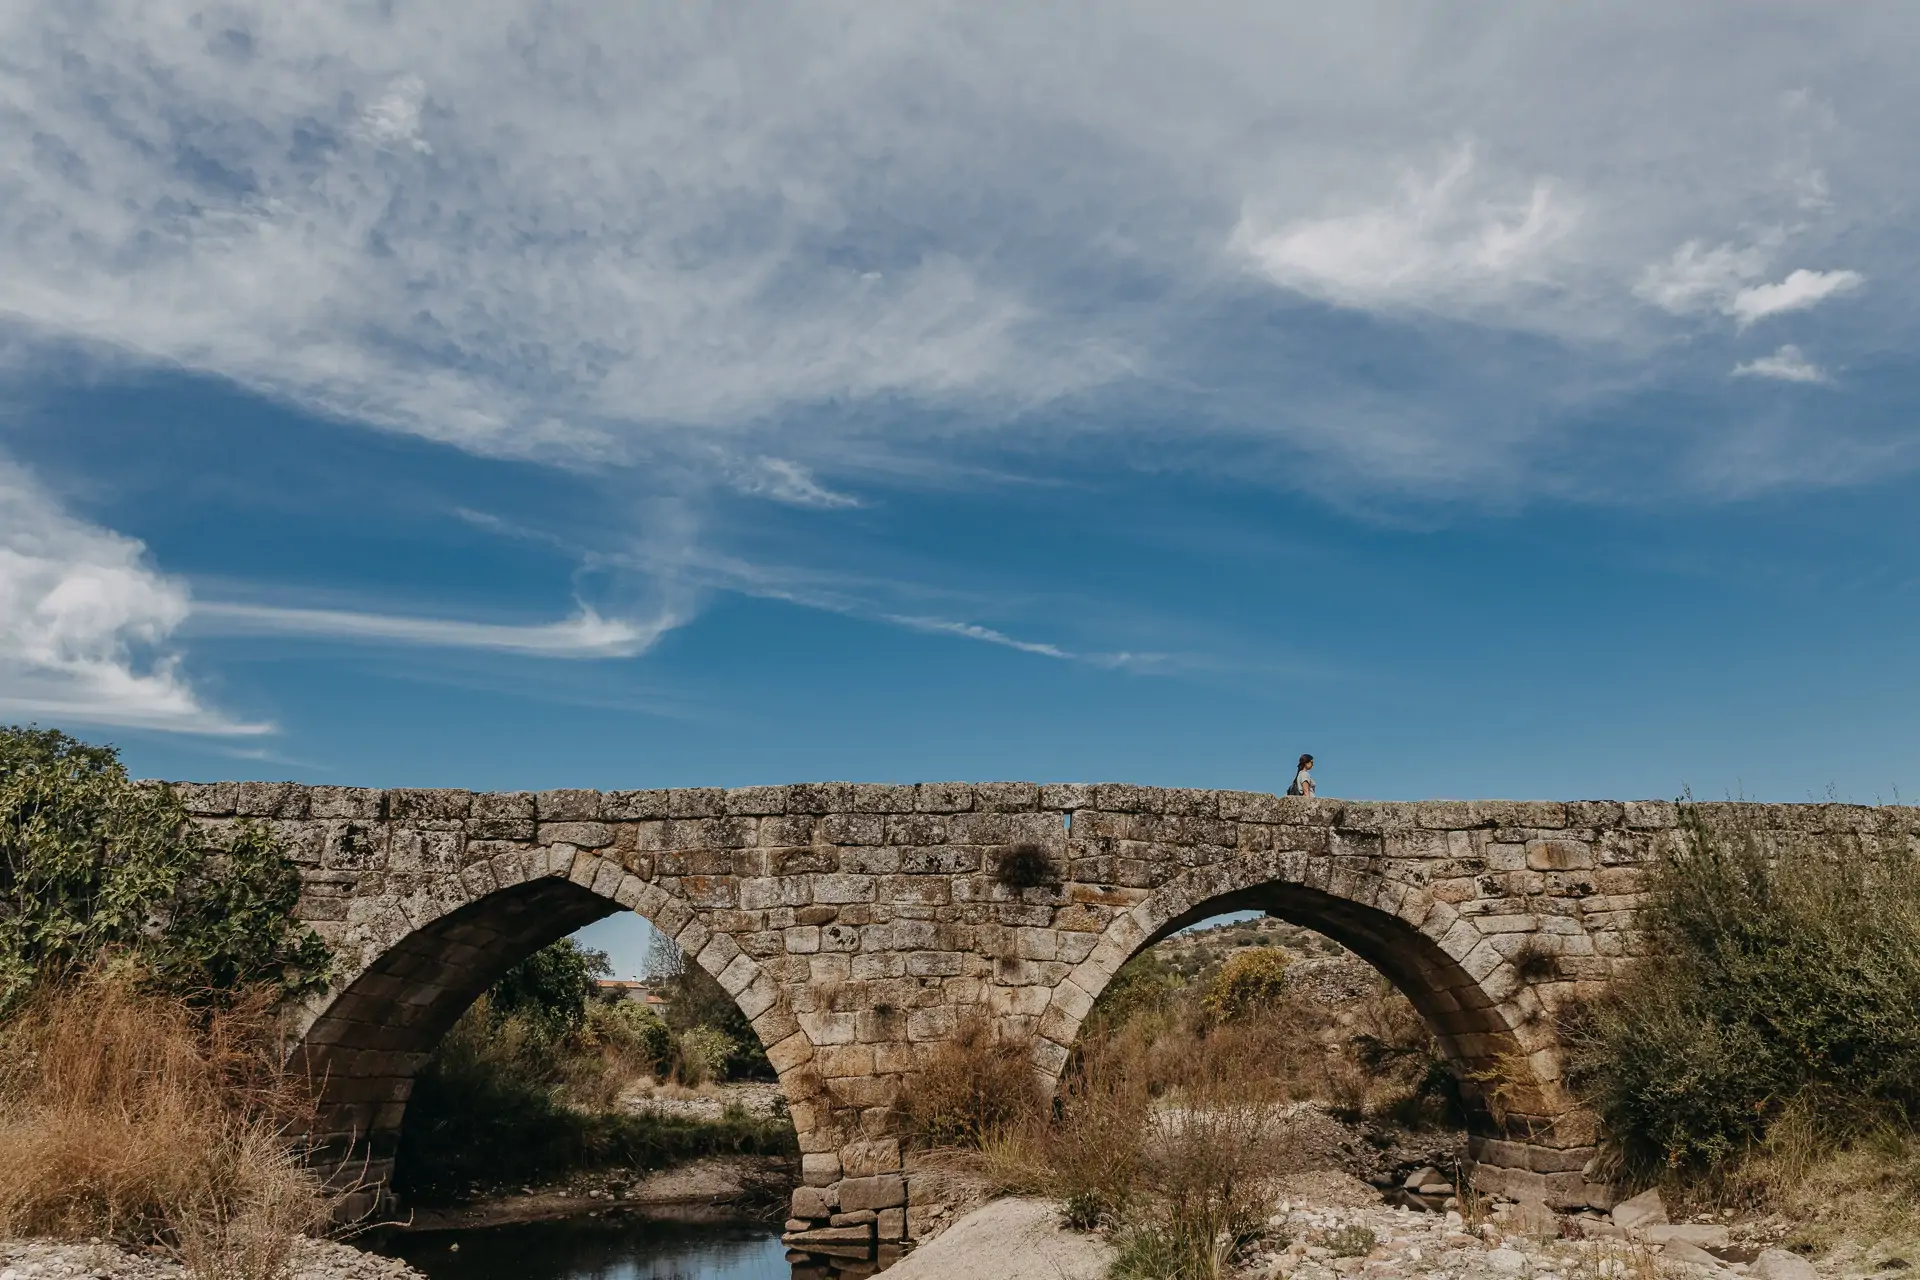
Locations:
column 143, row 1097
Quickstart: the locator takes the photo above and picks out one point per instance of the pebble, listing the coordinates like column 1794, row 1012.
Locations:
column 57, row 1260
column 1303, row 1239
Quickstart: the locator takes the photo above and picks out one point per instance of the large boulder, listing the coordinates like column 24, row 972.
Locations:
column 1644, row 1210
column 1778, row 1264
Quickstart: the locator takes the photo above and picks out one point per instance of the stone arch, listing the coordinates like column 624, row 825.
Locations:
column 424, row 959
column 1527, row 1136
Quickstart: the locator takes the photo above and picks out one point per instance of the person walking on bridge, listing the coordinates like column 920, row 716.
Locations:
column 1302, row 778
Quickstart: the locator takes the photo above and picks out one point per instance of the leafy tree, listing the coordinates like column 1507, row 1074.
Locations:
column 94, row 865
column 551, row 987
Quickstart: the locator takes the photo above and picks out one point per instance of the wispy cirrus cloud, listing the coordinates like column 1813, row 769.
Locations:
column 794, row 253
column 584, row 635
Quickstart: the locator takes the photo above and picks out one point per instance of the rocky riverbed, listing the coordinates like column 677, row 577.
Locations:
column 54, row 1260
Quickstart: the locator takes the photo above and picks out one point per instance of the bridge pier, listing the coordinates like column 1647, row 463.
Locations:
column 858, row 925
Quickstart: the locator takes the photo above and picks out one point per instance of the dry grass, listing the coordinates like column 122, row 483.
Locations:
column 126, row 1115
column 977, row 1084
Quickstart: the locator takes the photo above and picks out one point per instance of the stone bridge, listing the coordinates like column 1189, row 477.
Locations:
column 857, row 925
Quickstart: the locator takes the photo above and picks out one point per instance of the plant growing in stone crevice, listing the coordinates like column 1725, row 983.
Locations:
column 1025, row 866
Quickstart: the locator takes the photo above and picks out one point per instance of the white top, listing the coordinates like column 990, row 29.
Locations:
column 1302, row 783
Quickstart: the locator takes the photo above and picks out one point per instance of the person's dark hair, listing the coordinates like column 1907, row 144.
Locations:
column 1304, row 762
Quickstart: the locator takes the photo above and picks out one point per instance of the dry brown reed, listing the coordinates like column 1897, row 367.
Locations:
column 130, row 1116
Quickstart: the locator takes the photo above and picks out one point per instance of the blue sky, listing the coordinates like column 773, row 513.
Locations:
column 1491, row 400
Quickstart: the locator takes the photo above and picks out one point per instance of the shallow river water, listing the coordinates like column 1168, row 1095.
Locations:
column 597, row 1249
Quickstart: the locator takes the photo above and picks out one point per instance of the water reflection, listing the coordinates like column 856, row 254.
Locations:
column 597, row 1249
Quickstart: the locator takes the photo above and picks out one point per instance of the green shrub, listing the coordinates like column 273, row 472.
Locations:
column 1777, row 977
column 695, row 998
column 632, row 1033
column 700, row 1055
column 1145, row 983
column 1248, row 982
column 93, row 865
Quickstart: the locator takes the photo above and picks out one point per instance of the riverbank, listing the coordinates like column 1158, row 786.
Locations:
column 712, row 1189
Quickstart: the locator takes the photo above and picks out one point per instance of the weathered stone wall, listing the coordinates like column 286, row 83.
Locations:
column 857, row 925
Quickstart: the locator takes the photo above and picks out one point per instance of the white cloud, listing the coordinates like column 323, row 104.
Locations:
column 1718, row 279
column 848, row 234
column 1800, row 290
column 585, row 635
column 84, row 624
column 1451, row 242
column 1787, row 364
column 1699, row 279
column 393, row 120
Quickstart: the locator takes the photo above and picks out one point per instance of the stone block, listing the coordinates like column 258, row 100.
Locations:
column 1648, row 815
column 864, row 1159
column 1066, row 795
column 696, row 802
column 853, row 828
column 891, row 1225
column 1559, row 855
column 756, row 801
column 207, row 799
column 362, row 803
column 944, row 797
column 633, row 806
column 843, row 888
column 582, row 835
column 880, row 1191
column 843, row 1060
column 738, row 975
column 820, row 1169
column 415, row 804
column 936, row 1023
column 878, row 797
column 270, row 800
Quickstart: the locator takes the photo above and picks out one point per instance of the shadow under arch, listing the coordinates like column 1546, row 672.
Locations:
column 371, row 1034
column 1526, row 1135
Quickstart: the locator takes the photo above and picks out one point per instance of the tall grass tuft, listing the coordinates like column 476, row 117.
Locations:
column 975, row 1084
column 127, row 1115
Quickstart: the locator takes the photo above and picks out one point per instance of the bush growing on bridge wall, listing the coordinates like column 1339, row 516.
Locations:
column 93, row 865
column 1784, row 980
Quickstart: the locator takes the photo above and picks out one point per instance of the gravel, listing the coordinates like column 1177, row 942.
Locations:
column 54, row 1260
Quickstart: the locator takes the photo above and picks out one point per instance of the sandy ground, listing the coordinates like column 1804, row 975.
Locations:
column 1014, row 1239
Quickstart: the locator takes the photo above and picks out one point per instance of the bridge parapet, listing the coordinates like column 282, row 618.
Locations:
column 858, row 925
